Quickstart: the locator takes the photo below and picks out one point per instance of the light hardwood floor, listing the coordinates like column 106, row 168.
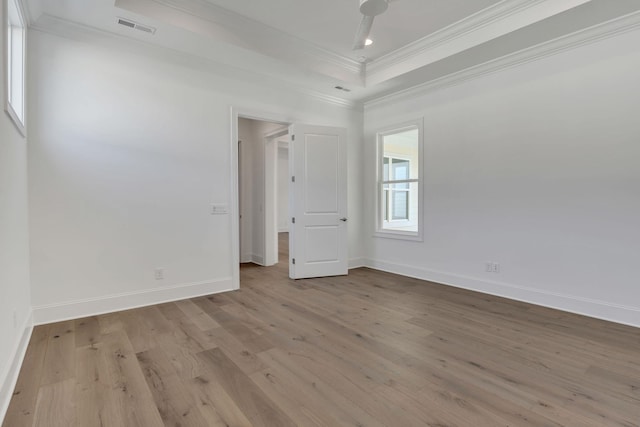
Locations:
column 369, row 349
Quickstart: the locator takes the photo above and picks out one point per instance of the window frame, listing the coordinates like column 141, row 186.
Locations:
column 17, row 117
column 379, row 184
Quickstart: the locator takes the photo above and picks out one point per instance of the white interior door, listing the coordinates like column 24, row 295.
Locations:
column 318, row 206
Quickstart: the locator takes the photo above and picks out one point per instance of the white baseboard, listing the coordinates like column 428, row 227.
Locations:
column 256, row 259
column 283, row 230
column 10, row 376
column 617, row 313
column 357, row 263
column 93, row 306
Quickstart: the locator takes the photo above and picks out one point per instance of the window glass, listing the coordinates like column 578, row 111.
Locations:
column 400, row 169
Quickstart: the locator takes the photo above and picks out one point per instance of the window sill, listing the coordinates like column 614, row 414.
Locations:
column 398, row 235
column 16, row 120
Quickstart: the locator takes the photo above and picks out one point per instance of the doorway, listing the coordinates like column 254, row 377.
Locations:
column 317, row 196
column 263, row 201
column 282, row 200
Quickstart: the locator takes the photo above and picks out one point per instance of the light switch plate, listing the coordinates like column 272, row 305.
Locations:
column 219, row 209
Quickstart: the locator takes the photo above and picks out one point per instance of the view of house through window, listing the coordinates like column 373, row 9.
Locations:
column 400, row 174
column 15, row 51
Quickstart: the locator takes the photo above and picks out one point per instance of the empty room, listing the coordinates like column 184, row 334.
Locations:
column 320, row 213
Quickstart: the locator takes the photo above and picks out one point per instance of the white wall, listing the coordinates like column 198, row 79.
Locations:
column 14, row 249
column 537, row 168
column 128, row 149
column 283, row 188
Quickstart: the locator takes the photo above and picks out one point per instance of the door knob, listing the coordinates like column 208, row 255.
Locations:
column 343, row 219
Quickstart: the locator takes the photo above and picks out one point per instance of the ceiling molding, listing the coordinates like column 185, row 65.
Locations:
column 586, row 36
column 494, row 21
column 26, row 12
column 233, row 19
column 480, row 19
column 211, row 20
column 69, row 29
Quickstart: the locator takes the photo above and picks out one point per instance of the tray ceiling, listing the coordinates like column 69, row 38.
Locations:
column 306, row 44
column 332, row 24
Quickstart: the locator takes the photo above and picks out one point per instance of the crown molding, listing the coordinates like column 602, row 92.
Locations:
column 249, row 34
column 482, row 18
column 25, row 9
column 487, row 24
column 579, row 38
column 69, row 29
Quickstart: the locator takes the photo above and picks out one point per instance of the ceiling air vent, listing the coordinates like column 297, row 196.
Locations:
column 137, row 26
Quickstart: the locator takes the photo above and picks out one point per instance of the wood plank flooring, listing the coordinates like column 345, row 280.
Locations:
column 368, row 349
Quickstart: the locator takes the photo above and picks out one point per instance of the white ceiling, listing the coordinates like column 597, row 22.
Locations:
column 306, row 44
column 332, row 24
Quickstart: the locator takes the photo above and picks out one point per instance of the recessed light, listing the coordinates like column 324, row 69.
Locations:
column 368, row 42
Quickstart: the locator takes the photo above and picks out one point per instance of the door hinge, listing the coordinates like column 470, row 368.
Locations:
column 293, row 260
column 293, row 137
column 293, row 220
column 293, row 179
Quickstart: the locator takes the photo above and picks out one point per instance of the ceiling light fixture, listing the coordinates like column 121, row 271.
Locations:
column 368, row 42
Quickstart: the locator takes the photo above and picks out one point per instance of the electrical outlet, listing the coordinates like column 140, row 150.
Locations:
column 492, row 267
column 159, row 273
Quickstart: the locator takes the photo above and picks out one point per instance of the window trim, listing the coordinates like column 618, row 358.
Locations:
column 379, row 231
column 18, row 120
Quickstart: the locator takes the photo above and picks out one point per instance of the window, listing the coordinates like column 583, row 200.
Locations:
column 14, row 51
column 399, row 182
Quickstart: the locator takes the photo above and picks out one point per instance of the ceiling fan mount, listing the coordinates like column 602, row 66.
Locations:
column 373, row 7
column 369, row 9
